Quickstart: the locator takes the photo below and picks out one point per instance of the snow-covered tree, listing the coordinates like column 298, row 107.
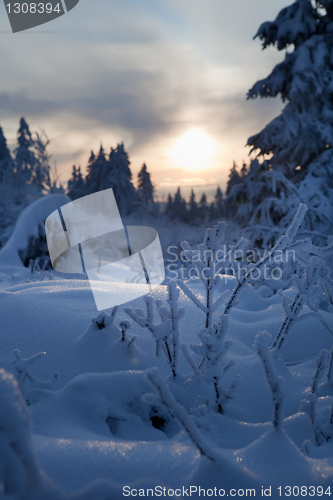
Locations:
column 168, row 207
column 234, row 178
column 95, row 179
column 6, row 161
column 297, row 145
column 203, row 207
column 41, row 171
column 76, row 185
column 219, row 209
column 193, row 211
column 145, row 186
column 119, row 177
column 176, row 208
column 25, row 158
column 304, row 130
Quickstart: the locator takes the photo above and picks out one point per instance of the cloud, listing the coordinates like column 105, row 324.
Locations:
column 143, row 72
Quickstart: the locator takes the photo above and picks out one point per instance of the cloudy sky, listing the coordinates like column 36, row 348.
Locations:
column 167, row 77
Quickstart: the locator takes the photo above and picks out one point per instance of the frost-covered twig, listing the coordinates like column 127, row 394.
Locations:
column 307, row 291
column 124, row 326
column 309, row 406
column 280, row 246
column 210, row 253
column 179, row 412
column 330, row 368
column 213, row 350
column 159, row 331
column 174, row 313
column 321, row 364
column 273, row 381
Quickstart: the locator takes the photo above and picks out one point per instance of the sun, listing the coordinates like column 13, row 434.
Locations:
column 193, row 150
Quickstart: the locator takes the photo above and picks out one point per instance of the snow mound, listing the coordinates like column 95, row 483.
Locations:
column 27, row 227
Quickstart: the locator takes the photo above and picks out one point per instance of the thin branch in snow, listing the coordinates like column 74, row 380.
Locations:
column 261, row 344
column 321, row 365
column 309, row 406
column 179, row 412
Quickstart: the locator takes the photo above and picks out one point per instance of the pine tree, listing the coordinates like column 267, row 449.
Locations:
column 193, row 212
column 76, row 185
column 9, row 199
column 41, row 171
column 304, row 130
column 119, row 178
column 25, row 159
column 95, row 179
column 212, row 211
column 6, row 161
column 234, row 178
column 145, row 186
column 218, row 203
column 168, row 207
column 203, row 207
column 297, row 145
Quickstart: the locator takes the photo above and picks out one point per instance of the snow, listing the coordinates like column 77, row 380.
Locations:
column 27, row 227
column 172, row 389
column 95, row 423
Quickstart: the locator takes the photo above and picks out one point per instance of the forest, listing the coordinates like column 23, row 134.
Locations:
column 219, row 381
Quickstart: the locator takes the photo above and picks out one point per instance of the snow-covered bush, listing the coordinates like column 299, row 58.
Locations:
column 20, row 475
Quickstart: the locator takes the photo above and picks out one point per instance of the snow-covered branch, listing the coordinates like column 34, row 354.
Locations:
column 273, row 381
column 179, row 412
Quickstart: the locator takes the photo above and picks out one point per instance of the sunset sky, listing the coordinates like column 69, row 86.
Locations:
column 167, row 77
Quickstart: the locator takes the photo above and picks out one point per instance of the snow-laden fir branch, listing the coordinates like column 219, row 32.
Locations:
column 179, row 412
column 261, row 344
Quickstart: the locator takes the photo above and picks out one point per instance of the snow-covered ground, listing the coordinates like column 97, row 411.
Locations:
column 102, row 419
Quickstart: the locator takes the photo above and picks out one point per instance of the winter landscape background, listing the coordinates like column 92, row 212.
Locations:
column 220, row 381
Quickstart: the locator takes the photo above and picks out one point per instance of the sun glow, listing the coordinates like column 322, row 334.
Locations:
column 193, row 150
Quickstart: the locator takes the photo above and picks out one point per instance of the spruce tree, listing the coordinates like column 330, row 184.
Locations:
column 176, row 207
column 119, row 178
column 304, row 130
column 234, row 178
column 193, row 212
column 168, row 207
column 41, row 172
column 76, row 185
column 6, row 161
column 218, row 203
column 25, row 159
column 145, row 186
column 203, row 207
column 96, row 168
column 296, row 147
